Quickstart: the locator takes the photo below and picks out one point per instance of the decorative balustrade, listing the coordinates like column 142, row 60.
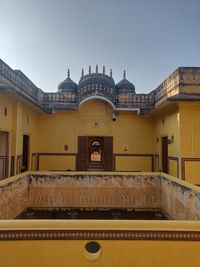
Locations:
column 59, row 97
column 170, row 87
column 178, row 199
column 17, row 78
column 96, row 89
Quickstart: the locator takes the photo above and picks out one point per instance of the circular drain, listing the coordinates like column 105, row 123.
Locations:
column 92, row 250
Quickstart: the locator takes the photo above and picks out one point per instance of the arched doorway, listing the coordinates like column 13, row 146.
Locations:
column 95, row 153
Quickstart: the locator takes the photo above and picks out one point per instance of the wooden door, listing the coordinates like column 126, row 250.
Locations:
column 165, row 154
column 103, row 162
column 82, row 158
column 108, row 153
column 25, row 157
column 4, row 154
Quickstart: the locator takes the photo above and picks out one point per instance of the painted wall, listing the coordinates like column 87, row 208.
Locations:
column 140, row 253
column 14, row 196
column 94, row 119
column 21, row 119
column 167, row 123
column 135, row 138
column 190, row 141
column 97, row 190
column 180, row 200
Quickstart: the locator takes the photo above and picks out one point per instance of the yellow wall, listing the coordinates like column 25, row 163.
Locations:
column 116, row 253
column 7, row 123
column 94, row 119
column 173, row 167
column 49, row 133
column 21, row 119
column 133, row 163
column 140, row 253
column 190, row 141
column 53, row 162
column 190, row 129
column 167, row 124
column 192, row 171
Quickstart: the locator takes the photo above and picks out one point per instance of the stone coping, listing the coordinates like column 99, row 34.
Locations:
column 174, row 179
column 100, row 224
column 180, row 182
column 14, row 178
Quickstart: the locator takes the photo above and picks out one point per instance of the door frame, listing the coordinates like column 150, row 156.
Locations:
column 25, row 168
column 164, row 154
column 6, row 156
column 83, row 153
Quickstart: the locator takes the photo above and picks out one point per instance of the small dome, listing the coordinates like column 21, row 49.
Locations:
column 125, row 86
column 67, row 85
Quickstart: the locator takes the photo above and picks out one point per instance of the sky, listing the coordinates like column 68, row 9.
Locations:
column 147, row 38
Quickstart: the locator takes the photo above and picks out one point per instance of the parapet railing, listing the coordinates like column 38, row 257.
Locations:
column 168, row 88
column 18, row 78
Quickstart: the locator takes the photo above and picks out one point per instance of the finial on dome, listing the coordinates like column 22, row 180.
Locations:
column 89, row 69
column 124, row 74
column 68, row 73
column 82, row 73
column 111, row 73
column 104, row 71
column 96, row 68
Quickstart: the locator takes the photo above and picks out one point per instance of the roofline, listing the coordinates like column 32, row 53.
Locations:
column 94, row 97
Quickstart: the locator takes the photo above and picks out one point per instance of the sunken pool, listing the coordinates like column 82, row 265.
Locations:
column 92, row 214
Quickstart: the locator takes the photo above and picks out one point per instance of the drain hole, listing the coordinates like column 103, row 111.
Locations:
column 92, row 247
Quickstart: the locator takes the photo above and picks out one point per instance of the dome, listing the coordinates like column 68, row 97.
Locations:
column 125, row 86
column 67, row 85
column 96, row 84
column 97, row 78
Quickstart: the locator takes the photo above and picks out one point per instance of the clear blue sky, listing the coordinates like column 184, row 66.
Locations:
column 148, row 38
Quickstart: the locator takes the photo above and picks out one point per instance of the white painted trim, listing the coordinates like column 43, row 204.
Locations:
column 109, row 102
column 97, row 97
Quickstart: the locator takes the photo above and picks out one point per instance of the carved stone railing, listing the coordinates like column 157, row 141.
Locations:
column 96, row 90
column 139, row 100
column 59, row 98
column 173, row 85
column 190, row 76
column 178, row 199
column 168, row 88
column 18, row 79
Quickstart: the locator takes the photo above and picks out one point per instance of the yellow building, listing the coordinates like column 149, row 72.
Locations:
column 123, row 145
column 159, row 131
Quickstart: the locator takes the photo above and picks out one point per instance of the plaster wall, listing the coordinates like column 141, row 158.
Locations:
column 94, row 119
column 14, row 196
column 190, row 141
column 140, row 253
column 96, row 190
column 180, row 200
column 20, row 120
column 167, row 123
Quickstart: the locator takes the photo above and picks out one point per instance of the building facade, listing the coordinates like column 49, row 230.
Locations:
column 100, row 125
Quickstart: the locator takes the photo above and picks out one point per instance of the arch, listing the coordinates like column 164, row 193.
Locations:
column 97, row 97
